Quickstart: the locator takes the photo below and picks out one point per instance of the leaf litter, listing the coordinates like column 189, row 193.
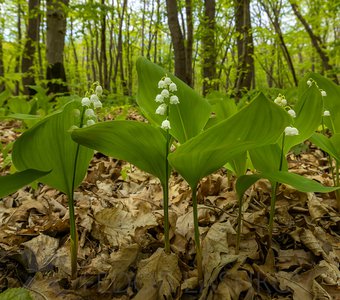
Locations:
column 120, row 231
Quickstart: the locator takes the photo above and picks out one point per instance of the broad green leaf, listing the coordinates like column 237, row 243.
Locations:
column 11, row 183
column 238, row 164
column 187, row 118
column 21, row 117
column 48, row 146
column 16, row 294
column 308, row 116
column 222, row 107
column 296, row 181
column 331, row 101
column 261, row 122
column 330, row 145
column 267, row 158
column 138, row 143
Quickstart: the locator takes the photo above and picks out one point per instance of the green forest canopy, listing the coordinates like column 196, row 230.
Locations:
column 204, row 42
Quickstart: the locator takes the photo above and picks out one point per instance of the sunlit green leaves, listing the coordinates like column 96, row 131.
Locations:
column 331, row 101
column 48, row 146
column 11, row 183
column 308, row 115
column 138, row 143
column 187, row 118
column 261, row 122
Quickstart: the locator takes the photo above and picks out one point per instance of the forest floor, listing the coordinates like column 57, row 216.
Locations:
column 120, row 226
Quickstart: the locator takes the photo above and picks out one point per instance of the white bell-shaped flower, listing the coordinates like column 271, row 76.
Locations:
column 292, row 113
column 165, row 125
column 291, row 131
column 85, row 101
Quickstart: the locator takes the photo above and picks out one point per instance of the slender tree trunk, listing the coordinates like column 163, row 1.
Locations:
column 2, row 69
column 245, row 49
column 150, row 33
column 189, row 42
column 74, row 50
column 55, row 41
column 143, row 27
column 111, row 44
column 119, row 56
column 274, row 19
column 129, row 55
column 18, row 57
column 316, row 42
column 208, row 47
column 177, row 41
column 92, row 55
column 158, row 22
column 103, row 57
column 32, row 36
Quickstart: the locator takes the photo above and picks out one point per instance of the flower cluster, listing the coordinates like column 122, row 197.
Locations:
column 310, row 82
column 92, row 101
column 280, row 100
column 165, row 98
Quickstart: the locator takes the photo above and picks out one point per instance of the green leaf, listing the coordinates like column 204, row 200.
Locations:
column 16, row 294
column 138, row 143
column 296, row 181
column 308, row 115
column 222, row 106
column 21, row 117
column 261, row 122
column 48, row 146
column 267, row 158
column 11, row 183
column 187, row 118
column 330, row 145
column 331, row 101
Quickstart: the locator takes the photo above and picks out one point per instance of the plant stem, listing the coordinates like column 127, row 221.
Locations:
column 165, row 187
column 239, row 225
column 73, row 227
column 337, row 192
column 197, row 236
column 273, row 196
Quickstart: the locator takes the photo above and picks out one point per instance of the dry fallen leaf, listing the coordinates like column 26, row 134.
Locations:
column 158, row 276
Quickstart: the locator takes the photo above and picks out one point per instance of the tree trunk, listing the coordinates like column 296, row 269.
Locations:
column 317, row 43
column 274, row 19
column 2, row 69
column 245, row 49
column 119, row 56
column 177, row 41
column 103, row 57
column 32, row 36
column 189, row 42
column 55, row 41
column 208, row 47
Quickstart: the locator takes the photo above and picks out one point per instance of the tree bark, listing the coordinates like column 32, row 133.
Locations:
column 209, row 48
column 245, row 49
column 2, row 69
column 55, row 41
column 316, row 42
column 119, row 56
column 177, row 41
column 32, row 36
column 103, row 57
column 274, row 19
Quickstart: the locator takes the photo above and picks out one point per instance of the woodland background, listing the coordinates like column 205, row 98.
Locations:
column 231, row 46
